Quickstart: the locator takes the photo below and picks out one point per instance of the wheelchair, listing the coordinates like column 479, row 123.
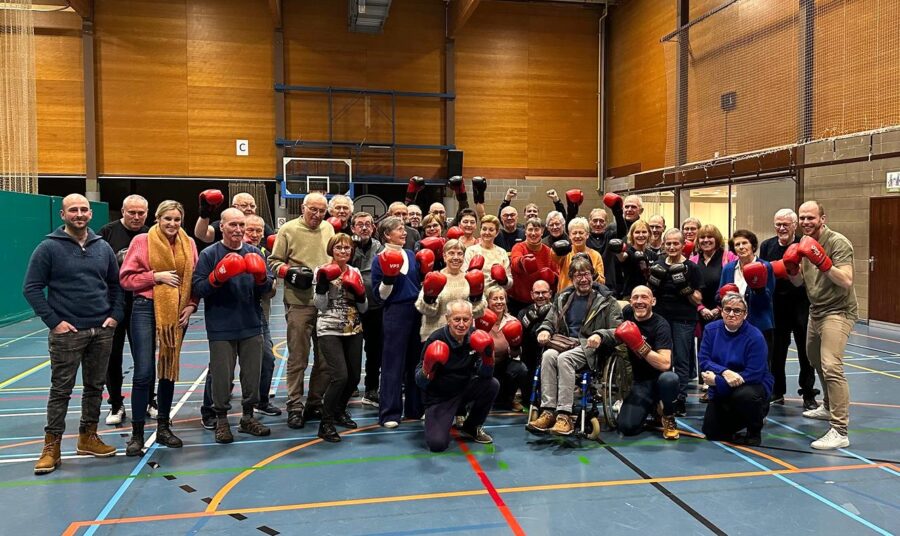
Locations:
column 599, row 391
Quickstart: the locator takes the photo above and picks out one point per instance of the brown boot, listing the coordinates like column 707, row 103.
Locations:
column 90, row 443
column 564, row 425
column 50, row 458
column 670, row 428
column 543, row 423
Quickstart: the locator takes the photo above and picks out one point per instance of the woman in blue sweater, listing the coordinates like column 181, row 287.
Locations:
column 402, row 345
column 733, row 364
column 756, row 283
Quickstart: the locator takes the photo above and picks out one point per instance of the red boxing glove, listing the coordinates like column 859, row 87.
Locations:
column 477, row 263
column 813, row 250
column 630, row 334
column 483, row 344
column 432, row 286
column 435, row 244
column 352, row 281
column 791, row 259
column 437, row 353
column 326, row 274
column 391, row 261
column 756, row 275
column 729, row 287
column 255, row 265
column 547, row 275
column 337, row 223
column 454, row 233
column 425, row 258
column 498, row 274
column 613, row 201
column 486, row 321
column 687, row 248
column 210, row 201
column 270, row 243
column 475, row 278
column 575, row 196
column 779, row 270
column 230, row 266
column 528, row 263
column 512, row 331
column 415, row 185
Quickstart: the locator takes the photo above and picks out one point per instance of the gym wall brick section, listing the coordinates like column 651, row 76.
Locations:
column 32, row 217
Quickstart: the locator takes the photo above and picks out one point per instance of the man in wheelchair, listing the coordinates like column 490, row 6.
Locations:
column 649, row 341
column 577, row 331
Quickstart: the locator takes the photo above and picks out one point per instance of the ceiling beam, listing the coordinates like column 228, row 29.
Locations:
column 460, row 11
column 85, row 8
column 275, row 9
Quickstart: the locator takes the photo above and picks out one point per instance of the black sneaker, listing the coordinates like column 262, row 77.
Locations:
column 370, row 399
column 312, row 413
column 268, row 409
column 355, row 394
column 809, row 403
column 295, row 419
column 776, row 400
column 208, row 421
column 328, row 433
column 344, row 420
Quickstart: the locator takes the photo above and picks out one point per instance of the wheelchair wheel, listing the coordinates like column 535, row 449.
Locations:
column 594, row 432
column 616, row 386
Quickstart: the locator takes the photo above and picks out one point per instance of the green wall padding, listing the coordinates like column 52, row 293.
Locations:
column 31, row 217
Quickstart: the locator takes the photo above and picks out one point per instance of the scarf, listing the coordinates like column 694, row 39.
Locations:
column 168, row 302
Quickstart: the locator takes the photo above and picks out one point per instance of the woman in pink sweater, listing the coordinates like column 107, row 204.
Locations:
column 158, row 269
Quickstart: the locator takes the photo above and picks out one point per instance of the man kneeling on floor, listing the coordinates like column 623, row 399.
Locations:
column 231, row 277
column 649, row 341
column 456, row 370
column 586, row 314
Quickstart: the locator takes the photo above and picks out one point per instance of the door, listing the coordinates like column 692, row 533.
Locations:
column 884, row 260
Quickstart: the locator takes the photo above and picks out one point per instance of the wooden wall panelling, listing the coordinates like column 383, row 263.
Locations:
column 60, row 102
column 636, row 94
column 230, row 88
column 141, row 68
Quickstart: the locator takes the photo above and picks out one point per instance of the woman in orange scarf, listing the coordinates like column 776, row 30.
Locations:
column 158, row 269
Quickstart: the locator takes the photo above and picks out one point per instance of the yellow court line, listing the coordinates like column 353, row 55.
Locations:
column 21, row 375
column 224, row 490
column 278, row 354
column 883, row 373
column 773, row 459
column 76, row 525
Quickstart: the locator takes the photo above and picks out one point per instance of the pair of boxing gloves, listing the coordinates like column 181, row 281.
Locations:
column 809, row 247
column 438, row 352
column 233, row 265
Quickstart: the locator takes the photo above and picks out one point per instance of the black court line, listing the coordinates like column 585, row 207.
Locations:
column 268, row 530
column 665, row 491
column 169, row 477
column 239, row 517
column 187, row 488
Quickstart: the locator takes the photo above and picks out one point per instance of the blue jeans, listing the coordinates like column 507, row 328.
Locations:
column 683, row 353
column 143, row 351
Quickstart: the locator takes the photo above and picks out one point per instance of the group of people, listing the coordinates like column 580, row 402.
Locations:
column 454, row 315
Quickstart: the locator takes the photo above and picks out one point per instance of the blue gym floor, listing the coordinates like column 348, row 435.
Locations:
column 384, row 482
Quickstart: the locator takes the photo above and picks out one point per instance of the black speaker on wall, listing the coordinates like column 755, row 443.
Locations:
column 454, row 163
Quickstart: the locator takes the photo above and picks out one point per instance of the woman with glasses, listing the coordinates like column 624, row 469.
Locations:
column 753, row 278
column 579, row 228
column 340, row 300
column 734, row 365
column 432, row 226
column 555, row 228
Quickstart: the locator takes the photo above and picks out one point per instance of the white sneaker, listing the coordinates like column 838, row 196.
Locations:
column 830, row 441
column 821, row 413
column 115, row 417
column 391, row 424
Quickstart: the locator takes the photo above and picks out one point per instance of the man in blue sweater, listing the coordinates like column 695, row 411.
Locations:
column 231, row 277
column 82, row 307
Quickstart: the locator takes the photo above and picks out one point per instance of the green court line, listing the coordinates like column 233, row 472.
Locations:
column 222, row 470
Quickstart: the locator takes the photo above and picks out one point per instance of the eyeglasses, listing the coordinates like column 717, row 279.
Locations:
column 581, row 276
column 245, row 205
column 315, row 210
column 343, row 248
column 733, row 312
column 782, row 225
column 363, row 225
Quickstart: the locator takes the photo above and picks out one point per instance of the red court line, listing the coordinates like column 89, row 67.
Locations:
column 489, row 486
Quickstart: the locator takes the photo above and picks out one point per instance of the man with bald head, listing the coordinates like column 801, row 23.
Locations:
column 118, row 235
column 511, row 231
column 531, row 318
column 649, row 341
column 82, row 306
column 439, row 210
column 209, row 232
column 299, row 249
